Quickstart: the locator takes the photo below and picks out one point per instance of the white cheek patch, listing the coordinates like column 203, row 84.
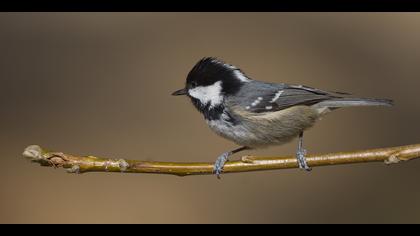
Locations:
column 208, row 94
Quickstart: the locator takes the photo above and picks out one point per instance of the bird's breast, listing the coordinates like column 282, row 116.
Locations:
column 264, row 129
column 237, row 133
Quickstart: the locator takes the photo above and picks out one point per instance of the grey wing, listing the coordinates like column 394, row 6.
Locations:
column 260, row 97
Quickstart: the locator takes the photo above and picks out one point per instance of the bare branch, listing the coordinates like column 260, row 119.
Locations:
column 82, row 164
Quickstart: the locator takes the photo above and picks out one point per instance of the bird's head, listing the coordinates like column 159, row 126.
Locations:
column 210, row 81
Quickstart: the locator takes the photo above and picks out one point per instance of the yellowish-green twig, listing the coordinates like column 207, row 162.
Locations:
column 81, row 164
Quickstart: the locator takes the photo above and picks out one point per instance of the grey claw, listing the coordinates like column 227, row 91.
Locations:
column 220, row 163
column 306, row 168
column 303, row 165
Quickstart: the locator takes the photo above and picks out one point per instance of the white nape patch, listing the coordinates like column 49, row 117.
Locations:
column 240, row 76
column 229, row 66
column 276, row 96
column 208, row 94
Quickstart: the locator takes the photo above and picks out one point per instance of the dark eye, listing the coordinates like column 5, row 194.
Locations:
column 193, row 84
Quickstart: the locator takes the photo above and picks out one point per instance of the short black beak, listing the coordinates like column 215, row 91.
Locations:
column 180, row 92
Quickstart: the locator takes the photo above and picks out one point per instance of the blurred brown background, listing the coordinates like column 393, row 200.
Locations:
column 100, row 83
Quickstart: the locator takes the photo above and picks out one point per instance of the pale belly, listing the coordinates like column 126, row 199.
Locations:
column 265, row 130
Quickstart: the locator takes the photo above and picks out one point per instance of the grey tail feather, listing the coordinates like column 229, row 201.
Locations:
column 353, row 102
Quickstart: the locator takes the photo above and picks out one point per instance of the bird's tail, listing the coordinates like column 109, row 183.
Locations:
column 354, row 102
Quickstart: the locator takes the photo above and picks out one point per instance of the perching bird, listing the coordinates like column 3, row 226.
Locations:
column 256, row 114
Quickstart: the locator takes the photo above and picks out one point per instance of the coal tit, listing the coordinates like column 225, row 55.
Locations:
column 256, row 114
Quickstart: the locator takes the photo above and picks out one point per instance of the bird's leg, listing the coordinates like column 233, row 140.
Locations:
column 222, row 159
column 300, row 155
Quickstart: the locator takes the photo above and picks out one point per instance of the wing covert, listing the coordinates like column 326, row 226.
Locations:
column 265, row 97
